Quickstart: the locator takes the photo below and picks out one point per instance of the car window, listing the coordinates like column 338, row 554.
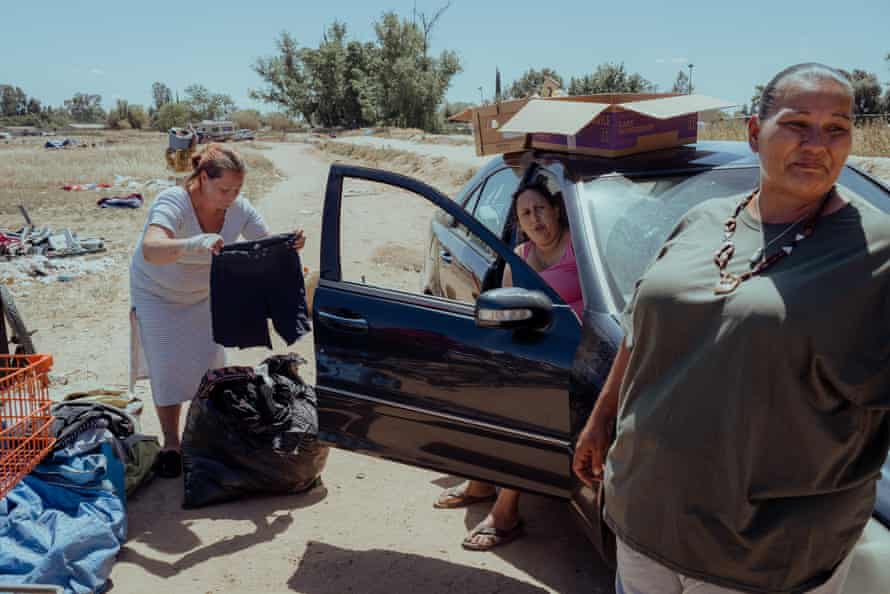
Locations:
column 855, row 185
column 472, row 200
column 393, row 239
column 632, row 217
column 493, row 203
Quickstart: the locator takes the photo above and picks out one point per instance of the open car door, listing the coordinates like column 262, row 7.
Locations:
column 413, row 378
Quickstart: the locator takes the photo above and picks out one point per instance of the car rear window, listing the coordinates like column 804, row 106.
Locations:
column 632, row 217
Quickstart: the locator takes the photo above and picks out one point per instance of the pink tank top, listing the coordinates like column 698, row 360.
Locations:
column 563, row 277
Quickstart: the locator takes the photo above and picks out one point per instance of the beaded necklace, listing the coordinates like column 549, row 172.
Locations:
column 728, row 282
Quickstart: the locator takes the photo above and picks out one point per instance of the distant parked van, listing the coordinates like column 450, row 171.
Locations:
column 215, row 130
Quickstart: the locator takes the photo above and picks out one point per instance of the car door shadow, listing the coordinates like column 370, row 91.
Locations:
column 328, row 569
column 551, row 533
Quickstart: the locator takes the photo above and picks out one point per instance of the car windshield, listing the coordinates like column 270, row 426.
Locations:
column 631, row 217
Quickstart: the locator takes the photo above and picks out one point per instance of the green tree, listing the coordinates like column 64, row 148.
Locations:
column 161, row 95
column 206, row 105
column 86, row 108
column 411, row 85
column 246, row 118
column 755, row 98
column 8, row 103
column 681, row 84
column 174, row 115
column 285, row 82
column 278, row 121
column 530, row 83
column 360, row 108
column 137, row 117
column 117, row 116
column 866, row 92
column 610, row 78
column 327, row 72
column 13, row 101
column 390, row 81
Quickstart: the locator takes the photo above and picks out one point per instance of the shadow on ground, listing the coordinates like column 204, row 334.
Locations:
column 549, row 526
column 327, row 569
column 158, row 522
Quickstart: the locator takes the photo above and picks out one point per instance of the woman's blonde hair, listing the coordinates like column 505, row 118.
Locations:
column 215, row 160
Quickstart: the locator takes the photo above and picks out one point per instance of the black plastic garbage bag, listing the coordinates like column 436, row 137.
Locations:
column 251, row 431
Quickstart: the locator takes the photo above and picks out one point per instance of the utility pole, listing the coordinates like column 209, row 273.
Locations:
column 689, row 89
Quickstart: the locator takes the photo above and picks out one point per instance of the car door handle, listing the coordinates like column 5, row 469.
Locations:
column 342, row 323
column 446, row 256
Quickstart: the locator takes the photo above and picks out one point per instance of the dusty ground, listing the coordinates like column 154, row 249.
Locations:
column 373, row 528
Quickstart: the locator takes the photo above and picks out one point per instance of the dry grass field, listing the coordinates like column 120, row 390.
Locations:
column 452, row 177
column 33, row 177
column 871, row 139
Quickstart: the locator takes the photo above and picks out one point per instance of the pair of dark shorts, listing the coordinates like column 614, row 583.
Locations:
column 253, row 281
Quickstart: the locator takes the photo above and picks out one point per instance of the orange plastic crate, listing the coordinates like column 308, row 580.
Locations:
column 25, row 417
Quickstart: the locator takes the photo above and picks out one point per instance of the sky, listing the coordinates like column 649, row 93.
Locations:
column 118, row 49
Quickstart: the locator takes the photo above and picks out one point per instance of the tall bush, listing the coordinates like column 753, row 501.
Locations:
column 173, row 115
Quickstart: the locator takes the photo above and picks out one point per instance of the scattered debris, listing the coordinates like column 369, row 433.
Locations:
column 121, row 182
column 132, row 183
column 45, row 241
column 133, row 200
column 27, row 269
column 59, row 144
column 84, row 187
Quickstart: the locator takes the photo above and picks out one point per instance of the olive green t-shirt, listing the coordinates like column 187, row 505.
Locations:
column 752, row 426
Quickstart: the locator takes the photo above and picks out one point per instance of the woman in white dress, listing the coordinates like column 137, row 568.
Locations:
column 170, row 282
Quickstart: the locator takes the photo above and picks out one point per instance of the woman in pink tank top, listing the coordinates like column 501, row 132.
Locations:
column 546, row 246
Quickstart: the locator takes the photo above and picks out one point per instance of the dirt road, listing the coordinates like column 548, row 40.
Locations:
column 372, row 530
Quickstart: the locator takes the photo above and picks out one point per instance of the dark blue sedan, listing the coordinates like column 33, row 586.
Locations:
column 469, row 379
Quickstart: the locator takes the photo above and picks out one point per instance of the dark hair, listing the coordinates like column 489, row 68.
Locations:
column 537, row 182
column 215, row 159
column 806, row 71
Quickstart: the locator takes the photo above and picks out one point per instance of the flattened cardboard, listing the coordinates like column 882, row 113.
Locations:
column 608, row 125
column 554, row 117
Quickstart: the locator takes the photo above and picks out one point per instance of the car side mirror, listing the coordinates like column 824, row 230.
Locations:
column 513, row 307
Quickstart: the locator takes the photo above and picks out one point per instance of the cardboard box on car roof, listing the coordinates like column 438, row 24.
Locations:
column 606, row 125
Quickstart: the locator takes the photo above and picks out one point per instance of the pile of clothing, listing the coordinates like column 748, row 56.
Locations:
column 64, row 523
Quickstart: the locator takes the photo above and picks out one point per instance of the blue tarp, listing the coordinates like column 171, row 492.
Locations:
column 65, row 522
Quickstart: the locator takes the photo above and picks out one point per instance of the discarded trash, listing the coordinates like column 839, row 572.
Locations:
column 47, row 242
column 28, row 269
column 84, row 187
column 134, row 200
column 58, row 144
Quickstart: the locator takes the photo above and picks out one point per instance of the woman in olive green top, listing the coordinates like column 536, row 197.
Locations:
column 751, row 397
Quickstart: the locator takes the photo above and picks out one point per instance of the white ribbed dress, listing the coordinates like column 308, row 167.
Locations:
column 172, row 301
